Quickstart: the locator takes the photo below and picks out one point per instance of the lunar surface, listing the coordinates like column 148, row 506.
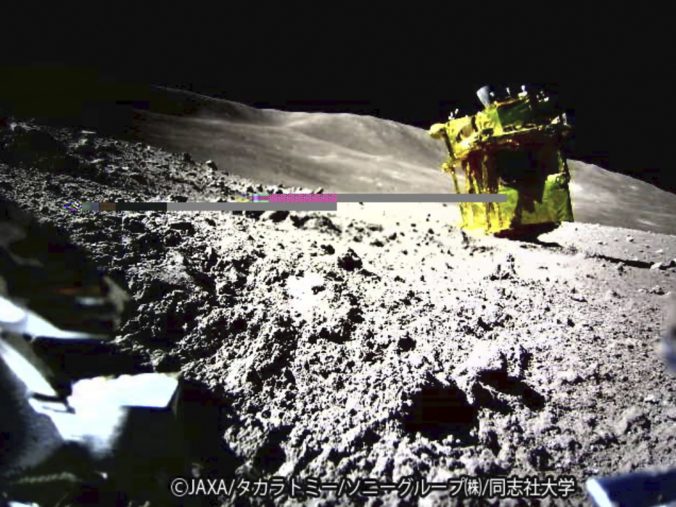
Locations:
column 378, row 341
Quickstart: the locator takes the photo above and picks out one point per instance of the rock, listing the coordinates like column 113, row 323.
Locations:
column 187, row 158
column 328, row 249
column 603, row 437
column 133, row 224
column 656, row 290
column 569, row 377
column 485, row 359
column 564, row 442
column 544, row 423
column 34, row 147
column 504, row 270
column 481, row 465
column 539, row 458
column 406, row 344
column 165, row 363
column 278, row 216
column 210, row 258
column 323, row 223
column 488, row 437
column 211, row 164
column 183, row 226
column 84, row 146
column 632, row 418
column 590, row 420
column 349, row 261
column 340, row 324
column 255, row 214
column 651, row 398
column 299, row 220
column 630, row 239
column 670, row 413
column 492, row 316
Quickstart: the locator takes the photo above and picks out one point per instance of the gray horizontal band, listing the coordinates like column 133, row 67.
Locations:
column 251, row 206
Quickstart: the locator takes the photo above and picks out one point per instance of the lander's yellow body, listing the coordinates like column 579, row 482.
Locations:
column 511, row 147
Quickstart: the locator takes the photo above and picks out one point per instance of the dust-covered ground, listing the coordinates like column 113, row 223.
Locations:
column 373, row 342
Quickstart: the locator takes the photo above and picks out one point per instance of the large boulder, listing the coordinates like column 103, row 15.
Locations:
column 35, row 148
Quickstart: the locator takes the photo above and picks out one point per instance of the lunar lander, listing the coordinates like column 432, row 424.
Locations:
column 511, row 147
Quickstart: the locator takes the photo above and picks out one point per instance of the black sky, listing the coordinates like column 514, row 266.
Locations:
column 412, row 64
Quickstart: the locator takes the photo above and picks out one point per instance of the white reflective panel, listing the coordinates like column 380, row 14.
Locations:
column 25, row 371
column 18, row 320
column 10, row 314
column 154, row 390
column 96, row 426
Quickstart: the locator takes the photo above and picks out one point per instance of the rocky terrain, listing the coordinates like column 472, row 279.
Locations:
column 371, row 342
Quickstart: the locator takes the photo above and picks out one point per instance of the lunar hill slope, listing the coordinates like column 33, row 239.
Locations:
column 357, row 153
column 377, row 344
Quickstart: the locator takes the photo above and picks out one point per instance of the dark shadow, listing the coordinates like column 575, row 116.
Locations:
column 529, row 234
column 270, row 456
column 440, row 410
column 206, row 415
column 78, row 359
column 628, row 262
column 538, row 242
